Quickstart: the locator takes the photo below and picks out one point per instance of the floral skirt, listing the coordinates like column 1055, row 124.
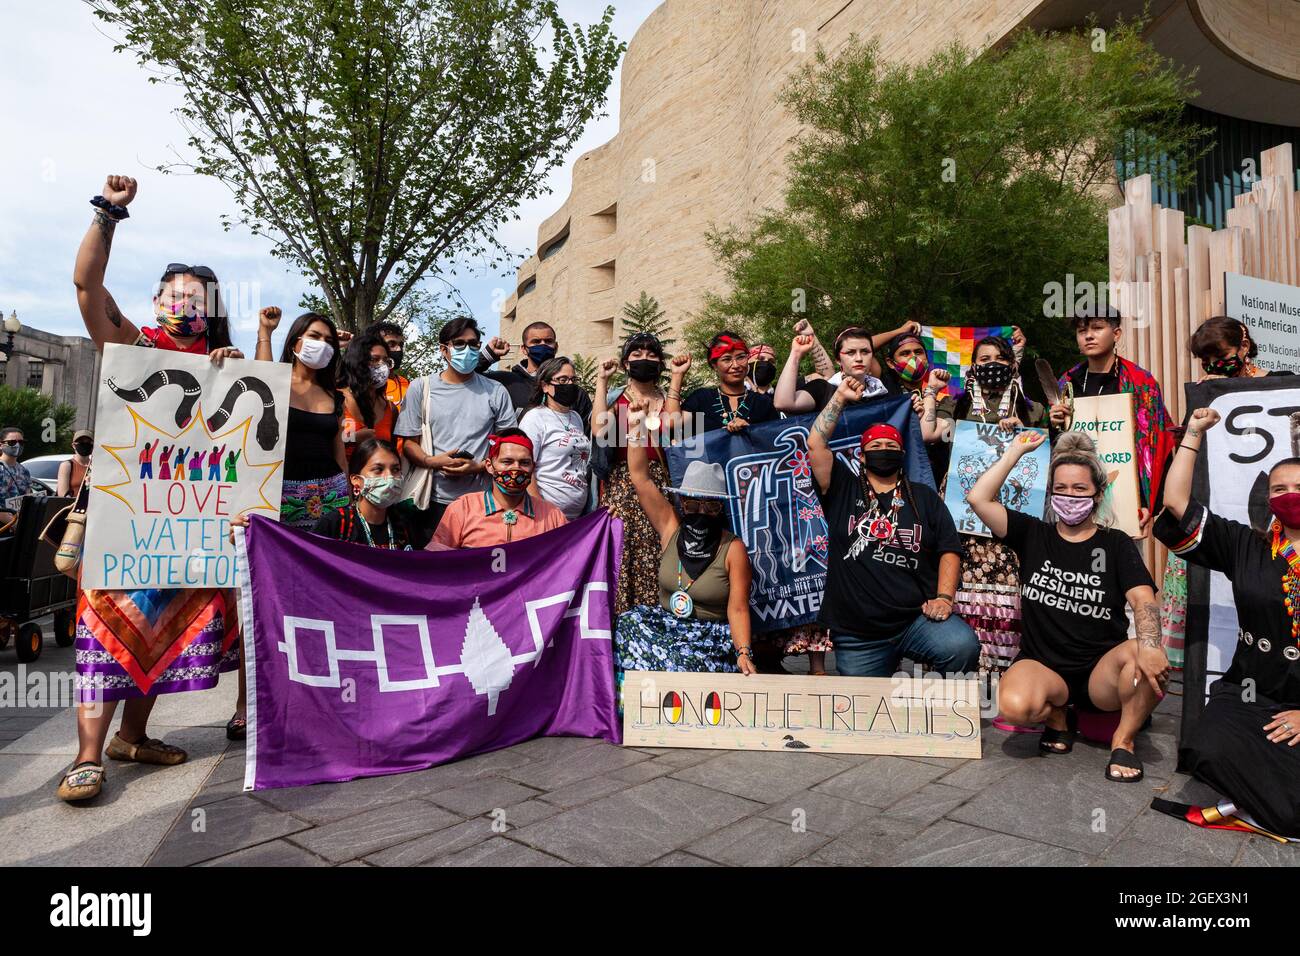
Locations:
column 803, row 639
column 638, row 573
column 1173, row 610
column 989, row 600
column 650, row 638
column 303, row 502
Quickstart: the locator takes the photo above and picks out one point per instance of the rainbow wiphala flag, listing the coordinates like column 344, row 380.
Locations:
column 952, row 347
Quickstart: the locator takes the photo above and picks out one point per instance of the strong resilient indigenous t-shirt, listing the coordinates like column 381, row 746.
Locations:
column 1073, row 593
column 875, row 586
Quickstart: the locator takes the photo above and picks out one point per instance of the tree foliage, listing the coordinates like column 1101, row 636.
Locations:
column 374, row 141
column 46, row 424
column 952, row 191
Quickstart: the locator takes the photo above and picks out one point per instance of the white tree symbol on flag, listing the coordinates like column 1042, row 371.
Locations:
column 485, row 657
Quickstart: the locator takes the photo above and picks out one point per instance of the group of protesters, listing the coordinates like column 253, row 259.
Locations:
column 471, row 456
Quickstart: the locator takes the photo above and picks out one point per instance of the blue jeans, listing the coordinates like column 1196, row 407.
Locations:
column 949, row 647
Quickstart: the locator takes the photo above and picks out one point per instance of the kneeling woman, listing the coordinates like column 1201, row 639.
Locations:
column 1245, row 744
column 1075, row 576
column 702, row 620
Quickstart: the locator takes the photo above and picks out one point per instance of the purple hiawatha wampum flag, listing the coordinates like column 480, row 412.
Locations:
column 364, row 661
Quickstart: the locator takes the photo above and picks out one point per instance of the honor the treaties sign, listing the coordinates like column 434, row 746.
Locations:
column 904, row 716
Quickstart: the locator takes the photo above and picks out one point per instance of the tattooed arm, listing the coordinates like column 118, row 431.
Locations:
column 104, row 320
column 821, row 361
column 820, row 455
column 1152, row 664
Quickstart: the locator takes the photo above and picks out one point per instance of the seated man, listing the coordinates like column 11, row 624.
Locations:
column 505, row 512
column 894, row 556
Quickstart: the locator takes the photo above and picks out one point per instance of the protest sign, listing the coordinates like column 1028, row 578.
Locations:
column 975, row 448
column 952, row 347
column 1231, row 479
column 1108, row 421
column 363, row 661
column 775, row 509
column 182, row 446
column 904, row 716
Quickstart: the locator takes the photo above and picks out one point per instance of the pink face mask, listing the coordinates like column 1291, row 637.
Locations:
column 1072, row 509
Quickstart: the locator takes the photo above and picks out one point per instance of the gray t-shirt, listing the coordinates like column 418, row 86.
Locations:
column 461, row 416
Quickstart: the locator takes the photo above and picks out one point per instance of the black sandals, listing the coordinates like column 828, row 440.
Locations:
column 1124, row 758
column 1050, row 737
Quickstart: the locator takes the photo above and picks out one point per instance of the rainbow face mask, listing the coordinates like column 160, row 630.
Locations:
column 913, row 369
column 176, row 319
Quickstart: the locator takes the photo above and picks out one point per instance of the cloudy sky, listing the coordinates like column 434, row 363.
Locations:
column 72, row 111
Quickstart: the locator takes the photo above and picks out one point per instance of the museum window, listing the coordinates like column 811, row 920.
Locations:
column 529, row 285
column 556, row 244
column 35, row 374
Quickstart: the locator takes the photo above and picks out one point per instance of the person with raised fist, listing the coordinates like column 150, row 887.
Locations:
column 853, row 352
column 1246, row 744
column 894, row 558
column 194, row 630
column 538, row 347
column 731, row 405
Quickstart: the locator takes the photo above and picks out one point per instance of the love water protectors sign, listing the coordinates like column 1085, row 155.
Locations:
column 182, row 446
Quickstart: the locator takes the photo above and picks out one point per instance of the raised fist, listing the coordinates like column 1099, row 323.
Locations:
column 605, row 369
column 119, row 190
column 498, row 346
column 681, row 364
column 803, row 327
column 802, row 345
column 939, row 378
column 850, row 389
column 1202, row 420
column 268, row 319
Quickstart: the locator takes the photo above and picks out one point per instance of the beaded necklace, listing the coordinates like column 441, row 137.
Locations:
column 1291, row 579
column 724, row 408
column 878, row 526
column 370, row 539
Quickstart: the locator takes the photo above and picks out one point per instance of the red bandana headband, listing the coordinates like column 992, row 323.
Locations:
column 727, row 344
column 496, row 441
column 881, row 430
column 760, row 352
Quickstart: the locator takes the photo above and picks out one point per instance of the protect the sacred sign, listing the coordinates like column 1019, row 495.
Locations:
column 182, row 447
column 1108, row 421
column 905, row 716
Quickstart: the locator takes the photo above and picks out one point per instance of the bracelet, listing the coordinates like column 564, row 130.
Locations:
column 944, row 597
column 1192, row 448
column 745, row 652
column 117, row 213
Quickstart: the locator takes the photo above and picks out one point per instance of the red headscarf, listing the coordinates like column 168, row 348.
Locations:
column 496, row 441
column 727, row 344
column 881, row 430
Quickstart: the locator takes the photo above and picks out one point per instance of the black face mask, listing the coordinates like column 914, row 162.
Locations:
column 697, row 543
column 883, row 462
column 566, row 395
column 764, row 372
column 644, row 370
column 84, row 449
column 396, row 356
column 992, row 374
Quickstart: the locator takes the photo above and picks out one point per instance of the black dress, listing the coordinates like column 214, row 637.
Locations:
column 754, row 408
column 1229, row 748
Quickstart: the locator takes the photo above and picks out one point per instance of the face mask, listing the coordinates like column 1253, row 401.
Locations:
column 84, row 449
column 566, row 395
column 883, row 462
column 176, row 320
column 1228, row 367
column 537, row 354
column 764, row 372
column 1072, row 509
column 513, row 482
column 992, row 374
column 1287, row 508
column 644, row 370
column 379, row 375
column 464, row 358
column 315, row 353
column 396, row 356
column 911, row 370
column 12, row 448
column 381, row 492
column 697, row 543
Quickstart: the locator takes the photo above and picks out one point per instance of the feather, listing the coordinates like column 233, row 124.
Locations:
column 1295, row 434
column 1047, row 378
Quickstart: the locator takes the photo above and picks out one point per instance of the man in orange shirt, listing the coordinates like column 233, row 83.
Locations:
column 505, row 512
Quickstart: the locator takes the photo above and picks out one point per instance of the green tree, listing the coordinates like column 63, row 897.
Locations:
column 47, row 425
column 645, row 315
column 375, row 142
column 951, row 192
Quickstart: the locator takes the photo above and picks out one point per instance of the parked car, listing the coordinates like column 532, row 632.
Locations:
column 45, row 469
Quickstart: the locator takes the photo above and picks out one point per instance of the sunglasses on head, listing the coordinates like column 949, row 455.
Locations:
column 199, row 272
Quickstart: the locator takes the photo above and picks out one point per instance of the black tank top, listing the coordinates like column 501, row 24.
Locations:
column 309, row 445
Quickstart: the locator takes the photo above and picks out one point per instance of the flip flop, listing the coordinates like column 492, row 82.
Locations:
column 1051, row 736
column 1124, row 758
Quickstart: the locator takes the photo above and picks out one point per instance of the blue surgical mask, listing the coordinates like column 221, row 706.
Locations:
column 464, row 358
column 538, row 354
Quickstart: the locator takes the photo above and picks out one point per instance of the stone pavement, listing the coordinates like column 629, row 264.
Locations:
column 562, row 801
